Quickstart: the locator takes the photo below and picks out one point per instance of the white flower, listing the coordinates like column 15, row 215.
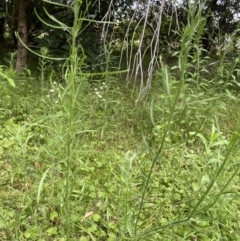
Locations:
column 56, row 101
column 48, row 96
column 54, row 82
column 95, row 89
column 52, row 90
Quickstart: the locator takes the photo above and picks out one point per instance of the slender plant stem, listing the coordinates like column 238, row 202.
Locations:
column 187, row 38
column 70, row 77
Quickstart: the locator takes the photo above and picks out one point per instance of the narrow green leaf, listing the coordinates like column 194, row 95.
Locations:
column 11, row 82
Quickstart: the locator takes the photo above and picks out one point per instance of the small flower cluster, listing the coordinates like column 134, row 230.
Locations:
column 52, row 91
column 101, row 91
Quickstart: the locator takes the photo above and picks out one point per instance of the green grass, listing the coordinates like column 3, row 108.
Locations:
column 112, row 150
column 81, row 160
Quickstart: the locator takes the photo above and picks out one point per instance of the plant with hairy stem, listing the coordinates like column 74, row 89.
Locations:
column 11, row 60
column 75, row 80
column 72, row 74
column 43, row 68
column 175, row 91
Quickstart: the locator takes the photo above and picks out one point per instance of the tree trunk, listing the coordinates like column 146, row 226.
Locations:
column 2, row 35
column 21, row 18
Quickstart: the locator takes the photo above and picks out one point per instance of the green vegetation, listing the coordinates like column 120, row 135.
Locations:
column 81, row 160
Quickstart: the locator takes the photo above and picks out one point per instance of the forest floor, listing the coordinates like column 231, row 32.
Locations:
column 193, row 189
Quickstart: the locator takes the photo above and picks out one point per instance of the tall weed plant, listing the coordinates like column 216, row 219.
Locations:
column 179, row 122
column 69, row 119
column 53, row 139
column 68, row 93
column 228, row 65
column 220, row 72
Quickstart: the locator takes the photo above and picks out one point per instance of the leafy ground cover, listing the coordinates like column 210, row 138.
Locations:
column 81, row 160
column 113, row 146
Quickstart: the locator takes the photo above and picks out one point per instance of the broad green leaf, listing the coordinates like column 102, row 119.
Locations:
column 83, row 239
column 205, row 179
column 53, row 215
column 195, row 186
column 92, row 229
column 10, row 81
column 52, row 231
column 96, row 217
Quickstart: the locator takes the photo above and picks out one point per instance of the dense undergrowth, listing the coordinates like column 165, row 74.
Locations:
column 81, row 160
column 114, row 143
